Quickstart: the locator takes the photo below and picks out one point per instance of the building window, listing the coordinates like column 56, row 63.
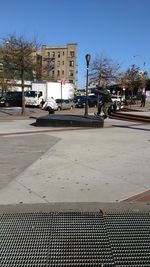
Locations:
column 58, row 63
column 48, row 53
column 58, row 54
column 63, row 53
column 63, row 62
column 58, row 73
column 71, row 73
column 70, row 81
column 53, row 73
column 62, row 72
column 71, row 64
column 53, row 54
column 72, row 53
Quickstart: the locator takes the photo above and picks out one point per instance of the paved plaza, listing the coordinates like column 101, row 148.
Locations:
column 72, row 165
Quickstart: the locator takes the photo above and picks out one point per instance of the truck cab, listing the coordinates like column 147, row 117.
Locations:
column 34, row 98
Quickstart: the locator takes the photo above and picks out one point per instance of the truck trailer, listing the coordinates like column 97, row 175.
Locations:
column 41, row 91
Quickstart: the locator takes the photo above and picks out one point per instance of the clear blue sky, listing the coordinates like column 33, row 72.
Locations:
column 119, row 29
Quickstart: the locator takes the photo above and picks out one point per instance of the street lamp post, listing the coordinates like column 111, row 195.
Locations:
column 87, row 57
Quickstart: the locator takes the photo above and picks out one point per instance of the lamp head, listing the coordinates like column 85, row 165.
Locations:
column 88, row 57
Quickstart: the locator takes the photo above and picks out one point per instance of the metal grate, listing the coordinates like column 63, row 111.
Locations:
column 129, row 236
column 74, row 239
column 79, row 239
column 25, row 239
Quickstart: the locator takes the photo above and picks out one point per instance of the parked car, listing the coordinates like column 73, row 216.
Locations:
column 11, row 99
column 117, row 102
column 50, row 105
column 64, row 104
column 92, row 100
column 80, row 101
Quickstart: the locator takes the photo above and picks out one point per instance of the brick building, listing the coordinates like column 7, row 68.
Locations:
column 57, row 63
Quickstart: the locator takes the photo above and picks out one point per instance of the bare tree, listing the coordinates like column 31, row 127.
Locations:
column 104, row 71
column 44, row 66
column 47, row 68
column 16, row 55
column 143, row 79
column 130, row 79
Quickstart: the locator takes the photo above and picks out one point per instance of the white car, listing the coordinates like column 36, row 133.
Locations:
column 50, row 103
column 117, row 101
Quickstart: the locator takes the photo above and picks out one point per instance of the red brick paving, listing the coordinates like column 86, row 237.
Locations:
column 143, row 197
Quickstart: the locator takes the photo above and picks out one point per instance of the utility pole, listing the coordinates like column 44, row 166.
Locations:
column 87, row 57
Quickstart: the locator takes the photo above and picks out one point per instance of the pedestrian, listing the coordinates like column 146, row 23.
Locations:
column 143, row 100
column 106, row 101
column 50, row 105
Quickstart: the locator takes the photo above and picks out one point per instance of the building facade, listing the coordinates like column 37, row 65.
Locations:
column 57, row 63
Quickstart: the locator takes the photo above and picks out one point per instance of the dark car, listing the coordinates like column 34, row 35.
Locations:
column 80, row 101
column 11, row 99
column 92, row 100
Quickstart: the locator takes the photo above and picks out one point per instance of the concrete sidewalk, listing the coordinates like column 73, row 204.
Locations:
column 84, row 165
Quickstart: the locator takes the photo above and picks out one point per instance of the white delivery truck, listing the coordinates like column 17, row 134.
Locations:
column 41, row 91
column 37, row 95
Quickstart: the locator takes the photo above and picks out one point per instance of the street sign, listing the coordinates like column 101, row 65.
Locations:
column 63, row 82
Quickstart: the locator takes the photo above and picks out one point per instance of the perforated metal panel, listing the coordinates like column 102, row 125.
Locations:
column 25, row 239
column 74, row 239
column 79, row 239
column 129, row 237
